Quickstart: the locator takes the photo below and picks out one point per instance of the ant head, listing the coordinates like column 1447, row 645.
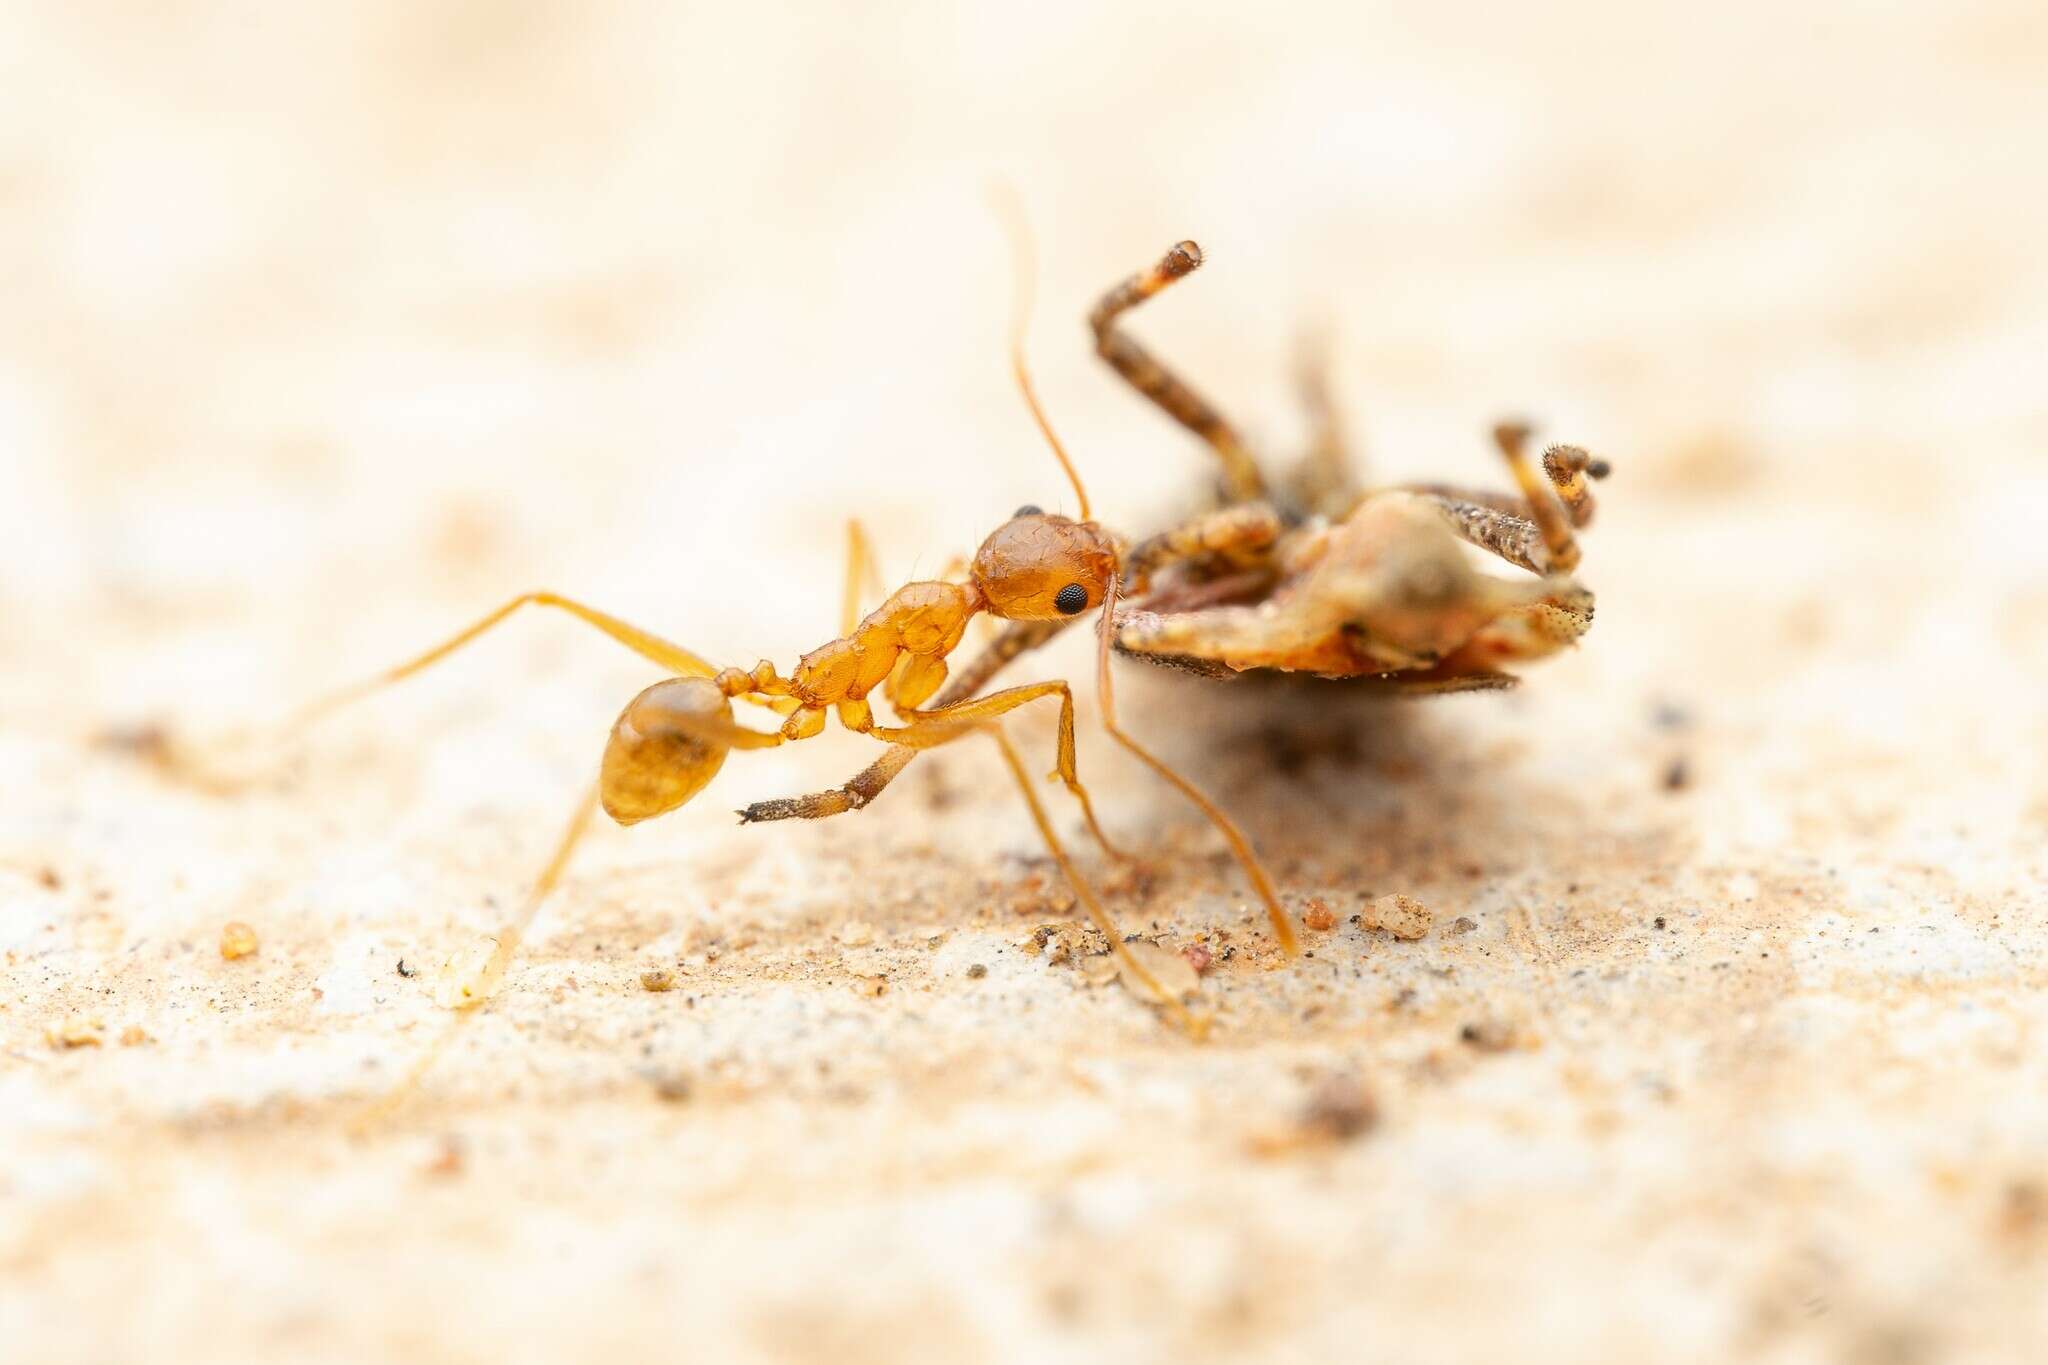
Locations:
column 1040, row 567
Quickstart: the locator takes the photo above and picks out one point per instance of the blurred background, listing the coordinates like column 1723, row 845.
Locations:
column 328, row 327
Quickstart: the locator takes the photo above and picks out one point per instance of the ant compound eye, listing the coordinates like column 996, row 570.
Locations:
column 1071, row 599
column 1029, row 509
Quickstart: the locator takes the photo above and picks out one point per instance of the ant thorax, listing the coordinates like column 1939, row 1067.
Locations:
column 923, row 619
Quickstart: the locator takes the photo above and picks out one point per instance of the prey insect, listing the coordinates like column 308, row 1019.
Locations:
column 1316, row 573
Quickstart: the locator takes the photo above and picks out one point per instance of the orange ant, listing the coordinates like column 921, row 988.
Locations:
column 1038, row 571
column 1321, row 577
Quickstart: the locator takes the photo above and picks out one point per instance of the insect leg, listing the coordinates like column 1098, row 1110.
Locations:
column 1190, row 1024
column 1283, row 928
column 1326, row 482
column 944, row 724
column 1237, row 536
column 1240, row 474
column 1543, row 502
column 861, row 571
column 1491, row 526
column 464, row 984
column 1017, row 638
column 644, row 643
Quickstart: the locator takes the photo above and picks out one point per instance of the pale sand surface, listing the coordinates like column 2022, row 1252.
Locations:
column 324, row 334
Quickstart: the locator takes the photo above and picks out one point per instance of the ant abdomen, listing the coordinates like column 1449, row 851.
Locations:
column 655, row 760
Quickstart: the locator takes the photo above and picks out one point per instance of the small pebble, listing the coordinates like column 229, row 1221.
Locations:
column 448, row 1159
column 237, row 940
column 1400, row 916
column 657, row 979
column 1318, row 916
column 672, row 1087
column 71, row 1033
column 977, row 971
column 1487, row 1035
column 1463, row 924
column 1339, row 1110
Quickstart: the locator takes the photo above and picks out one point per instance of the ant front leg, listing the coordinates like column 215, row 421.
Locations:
column 1017, row 637
column 943, row 725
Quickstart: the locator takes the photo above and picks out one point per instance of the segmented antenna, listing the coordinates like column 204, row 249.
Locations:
column 1024, row 275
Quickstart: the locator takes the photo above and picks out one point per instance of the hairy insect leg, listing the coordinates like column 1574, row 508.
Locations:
column 1529, row 530
column 1195, row 1026
column 1493, row 525
column 1236, row 537
column 1325, row 483
column 1240, row 847
column 944, row 724
column 1017, row 637
column 1545, row 508
column 1241, row 477
column 467, row 983
column 1568, row 468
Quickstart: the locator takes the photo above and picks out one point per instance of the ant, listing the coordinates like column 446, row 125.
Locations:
column 1320, row 577
column 1038, row 572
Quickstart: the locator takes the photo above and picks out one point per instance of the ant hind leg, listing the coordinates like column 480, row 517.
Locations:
column 1195, row 1026
column 466, row 982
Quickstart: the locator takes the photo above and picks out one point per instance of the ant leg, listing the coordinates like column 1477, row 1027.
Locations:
column 944, row 724
column 1188, row 1023
column 860, row 565
column 1241, row 847
column 1018, row 637
column 1240, row 474
column 195, row 767
column 463, row 987
column 644, row 643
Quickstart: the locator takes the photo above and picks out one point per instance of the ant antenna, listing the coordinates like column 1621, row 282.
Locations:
column 1024, row 274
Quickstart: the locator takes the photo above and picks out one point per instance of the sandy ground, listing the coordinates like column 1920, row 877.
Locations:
column 325, row 333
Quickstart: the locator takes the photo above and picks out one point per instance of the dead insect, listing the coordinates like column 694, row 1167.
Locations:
column 1322, row 576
